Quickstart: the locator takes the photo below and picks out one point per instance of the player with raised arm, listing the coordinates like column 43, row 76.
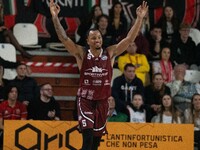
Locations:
column 95, row 65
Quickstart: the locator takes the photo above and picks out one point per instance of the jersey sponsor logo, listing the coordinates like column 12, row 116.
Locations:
column 96, row 72
column 97, row 69
column 104, row 57
column 86, row 82
column 107, row 82
column 97, row 82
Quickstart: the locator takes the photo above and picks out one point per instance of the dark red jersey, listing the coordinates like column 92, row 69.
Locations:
column 95, row 76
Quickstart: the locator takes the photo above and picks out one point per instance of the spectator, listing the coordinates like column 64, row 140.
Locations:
column 11, row 108
column 118, row 22
column 45, row 107
column 138, row 111
column 115, row 116
column 138, row 60
column 192, row 115
column 183, row 48
column 154, row 92
column 88, row 23
column 169, row 24
column 181, row 90
column 168, row 113
column 102, row 26
column 125, row 87
column 164, row 65
column 6, row 36
column 27, row 85
column 156, row 42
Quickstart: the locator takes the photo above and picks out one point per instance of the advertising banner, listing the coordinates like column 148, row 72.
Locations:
column 63, row 135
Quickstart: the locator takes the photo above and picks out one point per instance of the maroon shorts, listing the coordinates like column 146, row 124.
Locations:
column 93, row 114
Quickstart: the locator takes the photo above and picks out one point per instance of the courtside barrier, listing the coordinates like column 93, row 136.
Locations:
column 63, row 135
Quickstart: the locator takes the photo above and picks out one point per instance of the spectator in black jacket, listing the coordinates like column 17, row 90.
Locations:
column 155, row 91
column 27, row 85
column 125, row 87
column 183, row 48
column 45, row 107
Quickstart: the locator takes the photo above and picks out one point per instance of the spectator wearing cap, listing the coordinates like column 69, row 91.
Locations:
column 183, row 47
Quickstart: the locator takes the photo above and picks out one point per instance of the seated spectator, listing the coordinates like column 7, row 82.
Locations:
column 181, row 90
column 192, row 115
column 45, row 107
column 102, row 26
column 6, row 36
column 27, row 85
column 115, row 116
column 168, row 113
column 138, row 60
column 125, row 87
column 183, row 47
column 138, row 111
column 156, row 42
column 164, row 65
column 153, row 93
column 11, row 108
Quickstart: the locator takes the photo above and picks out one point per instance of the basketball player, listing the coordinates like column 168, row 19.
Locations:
column 95, row 65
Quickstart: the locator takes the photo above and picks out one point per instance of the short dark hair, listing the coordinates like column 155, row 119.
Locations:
column 92, row 29
column 157, row 74
column 128, row 65
column 155, row 26
column 20, row 64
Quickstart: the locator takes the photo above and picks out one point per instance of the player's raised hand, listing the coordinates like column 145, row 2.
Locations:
column 54, row 8
column 142, row 10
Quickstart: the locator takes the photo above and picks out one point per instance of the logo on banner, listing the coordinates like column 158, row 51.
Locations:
column 37, row 135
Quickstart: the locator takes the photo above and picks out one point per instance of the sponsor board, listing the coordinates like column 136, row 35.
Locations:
column 62, row 135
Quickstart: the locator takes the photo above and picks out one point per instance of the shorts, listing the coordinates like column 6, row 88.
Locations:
column 93, row 114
